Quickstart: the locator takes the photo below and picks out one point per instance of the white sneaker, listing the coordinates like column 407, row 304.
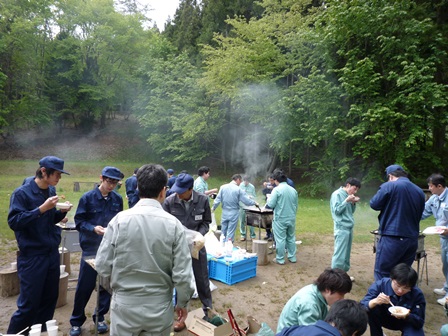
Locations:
column 440, row 291
column 441, row 301
column 352, row 279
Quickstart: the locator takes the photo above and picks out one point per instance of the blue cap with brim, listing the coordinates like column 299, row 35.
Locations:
column 170, row 171
column 183, row 183
column 53, row 162
column 393, row 168
column 112, row 172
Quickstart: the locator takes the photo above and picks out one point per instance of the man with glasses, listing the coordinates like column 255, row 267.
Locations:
column 95, row 210
column 398, row 290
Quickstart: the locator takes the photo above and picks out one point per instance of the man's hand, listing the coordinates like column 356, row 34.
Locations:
column 99, row 230
column 49, row 203
column 181, row 314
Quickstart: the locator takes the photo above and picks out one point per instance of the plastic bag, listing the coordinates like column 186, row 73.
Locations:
column 195, row 241
column 265, row 330
column 213, row 226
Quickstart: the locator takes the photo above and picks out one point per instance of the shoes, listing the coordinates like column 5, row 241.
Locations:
column 293, row 261
column 179, row 326
column 266, row 238
column 441, row 301
column 440, row 291
column 276, row 262
column 352, row 279
column 102, row 327
column 75, row 331
column 243, row 239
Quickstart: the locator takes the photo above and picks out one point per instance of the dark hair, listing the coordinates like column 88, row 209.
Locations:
column 335, row 280
column 279, row 175
column 353, row 182
column 405, row 275
column 246, row 178
column 151, row 179
column 236, row 177
column 348, row 316
column 399, row 173
column 437, row 179
column 203, row 170
column 49, row 171
column 135, row 171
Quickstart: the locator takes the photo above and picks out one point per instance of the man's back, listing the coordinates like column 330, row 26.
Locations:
column 401, row 203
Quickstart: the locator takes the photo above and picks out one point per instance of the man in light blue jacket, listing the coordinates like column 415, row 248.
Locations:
column 249, row 189
column 230, row 195
column 437, row 206
column 284, row 200
column 343, row 205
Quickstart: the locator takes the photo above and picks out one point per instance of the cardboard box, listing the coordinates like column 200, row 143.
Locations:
column 197, row 326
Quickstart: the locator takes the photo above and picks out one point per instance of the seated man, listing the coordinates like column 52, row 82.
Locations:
column 346, row 318
column 310, row 303
column 400, row 290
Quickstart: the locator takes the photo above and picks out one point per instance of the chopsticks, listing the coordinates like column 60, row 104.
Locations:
column 20, row 332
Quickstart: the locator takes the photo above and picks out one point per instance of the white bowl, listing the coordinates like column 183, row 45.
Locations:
column 398, row 311
column 64, row 206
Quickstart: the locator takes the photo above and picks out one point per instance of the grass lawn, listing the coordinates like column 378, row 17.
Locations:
column 313, row 216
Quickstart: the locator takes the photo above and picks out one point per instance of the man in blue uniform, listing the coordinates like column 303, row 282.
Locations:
column 192, row 209
column 284, row 200
column 230, row 195
column 131, row 189
column 437, row 206
column 401, row 205
column 346, row 318
column 398, row 290
column 32, row 216
column 95, row 209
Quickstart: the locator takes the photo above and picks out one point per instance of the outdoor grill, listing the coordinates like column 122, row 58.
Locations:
column 260, row 218
column 419, row 254
column 420, row 247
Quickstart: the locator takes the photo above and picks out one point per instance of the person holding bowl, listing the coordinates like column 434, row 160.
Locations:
column 401, row 292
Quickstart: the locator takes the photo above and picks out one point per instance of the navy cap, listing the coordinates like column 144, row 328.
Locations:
column 170, row 171
column 112, row 172
column 393, row 168
column 183, row 183
column 53, row 162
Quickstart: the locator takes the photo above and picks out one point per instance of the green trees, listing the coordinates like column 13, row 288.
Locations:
column 331, row 88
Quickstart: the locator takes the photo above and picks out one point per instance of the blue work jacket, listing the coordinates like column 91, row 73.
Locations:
column 401, row 205
column 36, row 233
column 321, row 328
column 413, row 300
column 93, row 210
column 438, row 207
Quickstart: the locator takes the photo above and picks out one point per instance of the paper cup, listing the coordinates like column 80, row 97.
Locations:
column 36, row 326
column 14, row 265
column 52, row 331
column 51, row 323
column 62, row 268
column 34, row 332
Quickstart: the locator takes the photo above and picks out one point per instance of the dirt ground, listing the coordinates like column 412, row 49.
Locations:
column 264, row 296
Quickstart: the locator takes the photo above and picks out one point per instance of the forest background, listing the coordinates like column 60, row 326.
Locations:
column 325, row 89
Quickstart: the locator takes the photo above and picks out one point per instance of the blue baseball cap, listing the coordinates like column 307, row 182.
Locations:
column 183, row 183
column 112, row 172
column 53, row 162
column 393, row 168
column 170, row 171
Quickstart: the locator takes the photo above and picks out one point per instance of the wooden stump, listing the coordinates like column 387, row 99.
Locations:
column 63, row 286
column 9, row 282
column 260, row 247
column 65, row 259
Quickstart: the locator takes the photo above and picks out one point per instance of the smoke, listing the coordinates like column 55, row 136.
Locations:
column 255, row 114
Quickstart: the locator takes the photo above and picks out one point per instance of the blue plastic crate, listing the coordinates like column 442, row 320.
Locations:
column 232, row 272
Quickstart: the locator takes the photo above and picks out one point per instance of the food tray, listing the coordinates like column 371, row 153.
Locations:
column 232, row 272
